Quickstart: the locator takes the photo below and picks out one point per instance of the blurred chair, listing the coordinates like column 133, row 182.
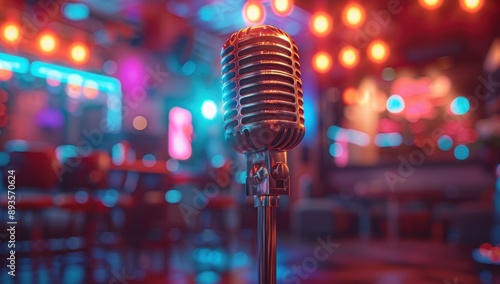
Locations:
column 83, row 177
column 36, row 176
column 318, row 217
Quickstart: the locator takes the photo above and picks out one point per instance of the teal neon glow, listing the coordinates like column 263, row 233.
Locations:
column 76, row 11
column 461, row 152
column 70, row 75
column 209, row 109
column 391, row 139
column 14, row 63
column 460, row 105
column 173, row 196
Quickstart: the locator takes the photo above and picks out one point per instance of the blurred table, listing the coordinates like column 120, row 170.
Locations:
column 429, row 195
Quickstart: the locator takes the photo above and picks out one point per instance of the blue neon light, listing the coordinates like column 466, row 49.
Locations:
column 14, row 63
column 76, row 11
column 388, row 139
column 104, row 83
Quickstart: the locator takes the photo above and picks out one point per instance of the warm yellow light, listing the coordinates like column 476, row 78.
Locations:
column 254, row 12
column 322, row 62
column 349, row 57
column 321, row 24
column 471, row 5
column 47, row 43
column 378, row 51
column 431, row 4
column 140, row 122
column 11, row 33
column 353, row 15
column 282, row 7
column 79, row 53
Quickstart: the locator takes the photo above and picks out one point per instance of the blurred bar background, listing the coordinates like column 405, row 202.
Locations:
column 111, row 121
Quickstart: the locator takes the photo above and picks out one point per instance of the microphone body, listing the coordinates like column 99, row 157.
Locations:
column 263, row 104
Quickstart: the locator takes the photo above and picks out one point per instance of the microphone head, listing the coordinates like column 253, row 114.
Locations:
column 262, row 90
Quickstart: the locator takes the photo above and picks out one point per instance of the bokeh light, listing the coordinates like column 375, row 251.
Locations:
column 461, row 152
column 349, row 96
column 47, row 43
column 430, row 4
column 321, row 24
column 282, row 7
column 445, row 143
column 11, row 33
column 349, row 57
column 460, row 105
column 79, row 53
column 395, row 104
column 353, row 15
column 471, row 6
column 254, row 12
column 173, row 196
column 378, row 51
column 322, row 62
column 336, row 150
column 209, row 109
column 139, row 122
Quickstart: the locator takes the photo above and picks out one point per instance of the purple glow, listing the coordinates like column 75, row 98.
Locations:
column 131, row 73
column 50, row 118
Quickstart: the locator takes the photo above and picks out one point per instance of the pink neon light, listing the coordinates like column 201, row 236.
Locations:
column 180, row 130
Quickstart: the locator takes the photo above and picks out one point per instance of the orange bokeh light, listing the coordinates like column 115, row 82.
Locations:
column 349, row 96
column 378, row 51
column 431, row 4
column 11, row 33
column 353, row 15
column 282, row 7
column 5, row 74
column 321, row 24
column 47, row 43
column 79, row 53
column 349, row 57
column 322, row 62
column 471, row 6
column 254, row 12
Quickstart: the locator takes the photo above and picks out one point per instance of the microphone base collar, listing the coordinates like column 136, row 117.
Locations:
column 267, row 173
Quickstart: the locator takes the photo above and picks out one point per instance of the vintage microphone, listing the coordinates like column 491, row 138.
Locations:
column 263, row 118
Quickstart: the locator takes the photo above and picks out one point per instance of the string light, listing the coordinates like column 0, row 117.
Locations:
column 353, row 15
column 322, row 62
column 11, row 33
column 321, row 24
column 79, row 53
column 471, row 6
column 47, row 43
column 378, row 51
column 254, row 12
column 349, row 57
column 431, row 4
column 282, row 7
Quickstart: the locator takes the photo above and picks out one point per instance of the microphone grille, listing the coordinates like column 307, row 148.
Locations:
column 261, row 84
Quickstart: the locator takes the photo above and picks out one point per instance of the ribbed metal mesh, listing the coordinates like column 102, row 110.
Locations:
column 262, row 88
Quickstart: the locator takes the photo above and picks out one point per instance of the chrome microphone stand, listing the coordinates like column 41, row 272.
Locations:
column 267, row 179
